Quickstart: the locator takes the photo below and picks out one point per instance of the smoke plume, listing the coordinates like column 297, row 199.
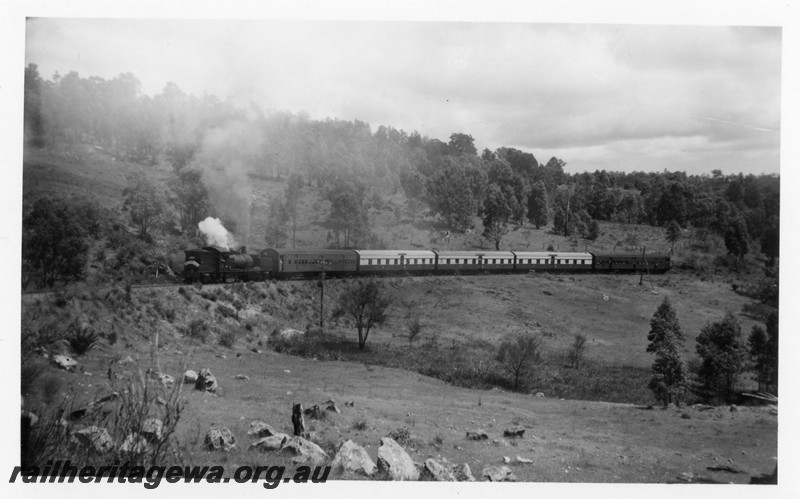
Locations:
column 216, row 234
column 228, row 154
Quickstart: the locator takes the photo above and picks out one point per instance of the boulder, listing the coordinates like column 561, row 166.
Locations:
column 462, row 473
column 166, row 380
column 524, row 460
column 540, row 394
column 313, row 412
column 242, row 377
column 135, row 443
column 94, row 438
column 477, row 435
column 270, row 443
column 393, row 460
column 514, row 432
column 432, row 470
column 330, row 405
column 305, row 452
column 152, row 429
column 219, row 438
column 190, row 377
column 206, row 381
column 64, row 362
column 354, row 459
column 498, row 474
column 260, row 429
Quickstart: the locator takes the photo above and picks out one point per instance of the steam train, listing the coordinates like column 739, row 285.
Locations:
column 213, row 264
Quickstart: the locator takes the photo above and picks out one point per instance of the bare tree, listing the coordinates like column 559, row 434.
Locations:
column 576, row 351
column 518, row 355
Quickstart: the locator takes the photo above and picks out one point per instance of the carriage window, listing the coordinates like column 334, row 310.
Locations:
column 369, row 261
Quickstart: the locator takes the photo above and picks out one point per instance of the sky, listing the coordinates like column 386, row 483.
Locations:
column 598, row 96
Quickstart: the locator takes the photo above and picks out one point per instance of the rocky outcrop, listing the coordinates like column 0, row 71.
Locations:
column 152, row 430
column 393, row 460
column 477, row 435
column 271, row 443
column 94, row 438
column 305, row 452
column 260, row 429
column 462, row 473
column 190, row 377
column 432, row 470
column 135, row 443
column 352, row 458
column 514, row 432
column 64, row 362
column 498, row 474
column 219, row 438
column 206, row 381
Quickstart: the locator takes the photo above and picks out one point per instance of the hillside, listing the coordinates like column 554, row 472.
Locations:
column 594, row 424
column 567, row 440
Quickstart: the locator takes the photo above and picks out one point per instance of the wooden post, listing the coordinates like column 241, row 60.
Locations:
column 641, row 271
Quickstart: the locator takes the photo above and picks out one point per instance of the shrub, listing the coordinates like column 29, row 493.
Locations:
column 137, row 400
column 401, row 435
column 83, row 339
column 197, row 329
column 226, row 311
column 227, row 338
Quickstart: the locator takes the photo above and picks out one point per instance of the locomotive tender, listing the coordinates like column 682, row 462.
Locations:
column 216, row 264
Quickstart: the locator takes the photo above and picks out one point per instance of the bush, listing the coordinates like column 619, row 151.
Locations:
column 197, row 329
column 83, row 339
column 226, row 311
column 227, row 338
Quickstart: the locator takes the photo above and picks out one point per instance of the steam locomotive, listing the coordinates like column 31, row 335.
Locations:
column 214, row 264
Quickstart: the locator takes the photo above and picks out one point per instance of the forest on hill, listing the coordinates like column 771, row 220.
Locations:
column 210, row 153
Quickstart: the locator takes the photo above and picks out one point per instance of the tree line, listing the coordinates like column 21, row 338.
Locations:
column 354, row 168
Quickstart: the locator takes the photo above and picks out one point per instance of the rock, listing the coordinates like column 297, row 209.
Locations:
column 477, row 435
column 166, row 380
column 330, row 405
column 219, row 438
column 540, row 394
column 773, row 410
column 502, row 442
column 298, row 422
column 514, row 432
column 462, row 473
column 734, row 408
column 242, row 377
column 152, row 429
column 222, row 356
column 64, row 362
column 432, row 470
column 685, row 415
column 354, row 459
column 270, row 443
column 307, row 453
column 260, row 429
column 506, row 460
column 126, row 360
column 135, row 443
column 393, row 460
column 766, row 479
column 94, row 438
column 498, row 474
column 349, row 403
column 290, row 334
column 206, row 381
column 523, row 460
column 190, row 377
column 314, row 412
